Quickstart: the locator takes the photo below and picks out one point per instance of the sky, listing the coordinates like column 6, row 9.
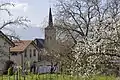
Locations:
column 35, row 10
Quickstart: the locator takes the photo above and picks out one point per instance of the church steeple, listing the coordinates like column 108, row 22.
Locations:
column 50, row 34
column 50, row 18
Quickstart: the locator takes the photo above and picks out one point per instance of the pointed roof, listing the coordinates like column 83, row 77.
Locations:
column 39, row 42
column 6, row 38
column 50, row 18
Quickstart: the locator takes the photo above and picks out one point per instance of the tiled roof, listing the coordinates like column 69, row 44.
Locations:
column 20, row 45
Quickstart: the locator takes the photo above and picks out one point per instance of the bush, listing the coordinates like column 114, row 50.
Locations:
column 10, row 71
column 7, row 65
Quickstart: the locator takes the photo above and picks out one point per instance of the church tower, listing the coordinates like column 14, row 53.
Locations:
column 50, row 34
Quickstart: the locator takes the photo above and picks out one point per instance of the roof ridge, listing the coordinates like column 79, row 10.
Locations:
column 21, row 45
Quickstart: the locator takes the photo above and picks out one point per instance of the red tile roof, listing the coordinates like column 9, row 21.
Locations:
column 20, row 45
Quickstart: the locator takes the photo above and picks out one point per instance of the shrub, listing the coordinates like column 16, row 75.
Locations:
column 10, row 71
column 7, row 65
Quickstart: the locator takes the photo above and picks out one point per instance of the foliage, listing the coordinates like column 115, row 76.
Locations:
column 8, row 67
column 59, row 77
column 10, row 21
column 94, row 28
column 10, row 71
column 4, row 24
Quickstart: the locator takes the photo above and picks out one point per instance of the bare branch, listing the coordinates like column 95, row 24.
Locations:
column 18, row 21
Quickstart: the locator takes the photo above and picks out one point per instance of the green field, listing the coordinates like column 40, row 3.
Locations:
column 54, row 77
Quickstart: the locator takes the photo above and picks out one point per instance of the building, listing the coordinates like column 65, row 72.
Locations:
column 24, row 52
column 5, row 45
column 50, row 35
column 47, row 46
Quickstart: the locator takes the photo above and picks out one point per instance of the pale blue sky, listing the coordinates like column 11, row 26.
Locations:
column 36, row 11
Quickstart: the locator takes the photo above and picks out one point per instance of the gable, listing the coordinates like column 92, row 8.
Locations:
column 32, row 44
column 3, row 42
column 3, row 36
column 39, row 42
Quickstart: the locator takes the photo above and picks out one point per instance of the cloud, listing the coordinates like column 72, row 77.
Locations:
column 21, row 6
column 7, row 1
column 18, row 6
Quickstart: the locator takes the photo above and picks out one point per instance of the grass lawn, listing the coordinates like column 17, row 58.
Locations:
column 55, row 77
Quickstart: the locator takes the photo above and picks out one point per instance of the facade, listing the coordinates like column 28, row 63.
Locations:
column 24, row 53
column 5, row 45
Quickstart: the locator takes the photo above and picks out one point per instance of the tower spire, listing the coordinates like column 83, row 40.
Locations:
column 50, row 18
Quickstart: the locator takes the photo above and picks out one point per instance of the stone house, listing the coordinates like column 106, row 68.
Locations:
column 5, row 45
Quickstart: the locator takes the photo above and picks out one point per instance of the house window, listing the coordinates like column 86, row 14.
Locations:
column 14, row 54
column 5, row 43
column 34, row 52
column 30, row 53
column 25, row 55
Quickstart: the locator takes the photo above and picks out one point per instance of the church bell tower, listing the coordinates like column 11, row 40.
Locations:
column 50, row 34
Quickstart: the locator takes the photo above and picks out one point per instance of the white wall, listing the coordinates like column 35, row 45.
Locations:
column 33, row 58
column 20, row 56
column 16, row 58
